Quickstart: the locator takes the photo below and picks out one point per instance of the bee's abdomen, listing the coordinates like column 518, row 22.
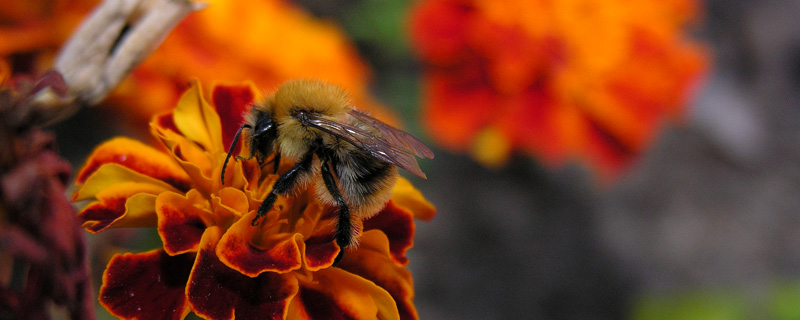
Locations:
column 365, row 182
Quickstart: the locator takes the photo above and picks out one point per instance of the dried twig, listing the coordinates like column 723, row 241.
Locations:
column 112, row 41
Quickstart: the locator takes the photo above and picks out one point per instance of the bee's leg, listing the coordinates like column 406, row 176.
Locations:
column 277, row 162
column 343, row 226
column 246, row 159
column 283, row 186
column 230, row 151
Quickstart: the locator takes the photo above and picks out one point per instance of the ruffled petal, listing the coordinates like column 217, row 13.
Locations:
column 218, row 292
column 238, row 174
column 398, row 225
column 164, row 122
column 228, row 205
column 231, row 102
column 246, row 249
column 135, row 211
column 320, row 252
column 197, row 120
column 146, row 285
column 372, row 261
column 138, row 157
column 181, row 221
column 337, row 294
column 125, row 199
column 317, row 227
column 113, row 175
column 196, row 162
column 404, row 195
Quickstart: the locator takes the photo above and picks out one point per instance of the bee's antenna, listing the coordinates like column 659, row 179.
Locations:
column 230, row 150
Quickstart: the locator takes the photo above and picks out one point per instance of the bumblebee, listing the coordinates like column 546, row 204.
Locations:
column 349, row 157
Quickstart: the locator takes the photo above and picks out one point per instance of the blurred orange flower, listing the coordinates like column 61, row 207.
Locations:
column 264, row 41
column 32, row 31
column 558, row 79
column 213, row 262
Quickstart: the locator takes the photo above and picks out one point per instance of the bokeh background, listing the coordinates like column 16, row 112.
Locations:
column 704, row 223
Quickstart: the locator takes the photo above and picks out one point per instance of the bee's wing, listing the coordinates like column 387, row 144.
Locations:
column 395, row 136
column 370, row 143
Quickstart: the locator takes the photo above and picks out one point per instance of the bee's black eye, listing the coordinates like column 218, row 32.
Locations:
column 263, row 124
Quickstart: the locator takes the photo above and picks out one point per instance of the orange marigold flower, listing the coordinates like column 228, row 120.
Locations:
column 264, row 41
column 558, row 79
column 31, row 31
column 213, row 262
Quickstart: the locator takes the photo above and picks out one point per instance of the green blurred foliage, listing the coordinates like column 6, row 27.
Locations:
column 381, row 24
column 779, row 301
column 379, row 30
column 784, row 302
column 700, row 305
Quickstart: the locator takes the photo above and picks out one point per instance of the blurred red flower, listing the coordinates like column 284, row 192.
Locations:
column 582, row 79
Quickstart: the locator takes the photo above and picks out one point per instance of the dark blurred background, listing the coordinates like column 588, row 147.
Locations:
column 706, row 225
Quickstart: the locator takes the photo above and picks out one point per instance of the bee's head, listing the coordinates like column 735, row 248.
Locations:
column 263, row 133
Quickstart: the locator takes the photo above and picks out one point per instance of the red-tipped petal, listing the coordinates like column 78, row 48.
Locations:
column 373, row 262
column 231, row 102
column 320, row 252
column 180, row 221
column 138, row 157
column 148, row 285
column 404, row 195
column 337, row 294
column 218, row 292
column 398, row 225
column 237, row 251
column 136, row 210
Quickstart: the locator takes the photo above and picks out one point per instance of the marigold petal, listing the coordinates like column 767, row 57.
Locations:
column 228, row 205
column 231, row 102
column 320, row 252
column 239, row 174
column 372, row 262
column 180, row 222
column 191, row 158
column 276, row 254
column 113, row 175
column 398, row 225
column 337, row 294
column 148, row 285
column 197, row 120
column 135, row 212
column 317, row 227
column 218, row 292
column 404, row 195
column 234, row 200
column 164, row 122
column 120, row 204
column 196, row 162
column 138, row 157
